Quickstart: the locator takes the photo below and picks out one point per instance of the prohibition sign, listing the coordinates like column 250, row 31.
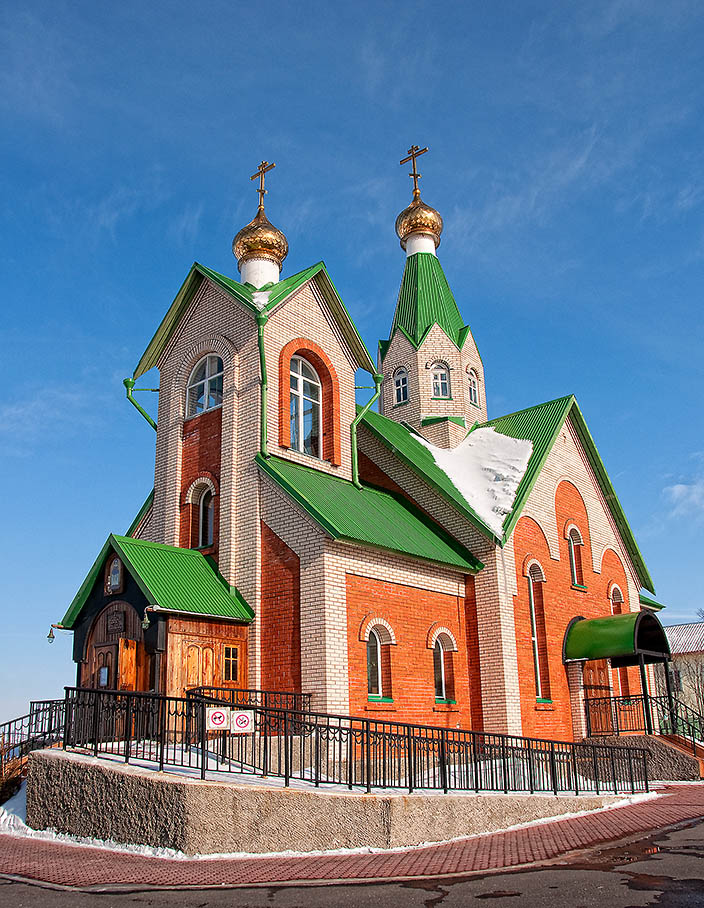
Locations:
column 218, row 719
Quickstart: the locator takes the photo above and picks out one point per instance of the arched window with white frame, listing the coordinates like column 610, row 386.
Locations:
column 204, row 390
column 575, row 543
column 374, row 679
column 401, row 386
column 379, row 638
column 441, row 380
column 473, row 387
column 443, row 669
column 206, row 519
column 306, row 415
column 616, row 600
column 536, row 604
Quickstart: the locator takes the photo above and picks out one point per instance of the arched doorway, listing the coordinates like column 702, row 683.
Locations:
column 114, row 656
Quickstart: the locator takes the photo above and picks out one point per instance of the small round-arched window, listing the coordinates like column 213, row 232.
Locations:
column 206, row 519
column 400, row 386
column 441, row 380
column 616, row 601
column 114, row 578
column 473, row 388
column 205, row 386
column 305, row 397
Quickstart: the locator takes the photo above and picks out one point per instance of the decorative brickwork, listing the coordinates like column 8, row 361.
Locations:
column 280, row 615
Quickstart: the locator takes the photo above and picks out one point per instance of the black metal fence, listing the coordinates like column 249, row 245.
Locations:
column 42, row 727
column 648, row 715
column 322, row 749
column 245, row 698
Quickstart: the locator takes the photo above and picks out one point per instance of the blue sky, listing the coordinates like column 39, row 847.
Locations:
column 567, row 152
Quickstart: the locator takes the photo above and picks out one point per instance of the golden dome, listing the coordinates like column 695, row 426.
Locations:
column 260, row 240
column 419, row 218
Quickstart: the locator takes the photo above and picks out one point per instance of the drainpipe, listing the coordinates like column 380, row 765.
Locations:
column 262, row 318
column 378, row 379
column 129, row 385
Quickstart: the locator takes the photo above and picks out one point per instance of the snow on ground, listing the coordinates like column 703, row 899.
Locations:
column 486, row 469
column 13, row 815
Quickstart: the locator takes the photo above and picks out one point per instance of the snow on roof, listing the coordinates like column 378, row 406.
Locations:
column 686, row 638
column 485, row 468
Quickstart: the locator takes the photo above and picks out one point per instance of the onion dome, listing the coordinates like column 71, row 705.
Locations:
column 419, row 218
column 260, row 240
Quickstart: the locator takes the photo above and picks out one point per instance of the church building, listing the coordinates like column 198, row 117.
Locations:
column 427, row 561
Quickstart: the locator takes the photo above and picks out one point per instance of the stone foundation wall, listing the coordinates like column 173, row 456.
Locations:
column 664, row 761
column 84, row 796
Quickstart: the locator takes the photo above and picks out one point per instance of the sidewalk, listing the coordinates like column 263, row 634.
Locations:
column 85, row 867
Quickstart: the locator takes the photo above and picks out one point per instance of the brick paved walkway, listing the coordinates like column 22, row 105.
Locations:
column 91, row 867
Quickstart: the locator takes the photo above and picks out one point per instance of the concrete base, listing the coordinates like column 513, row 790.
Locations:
column 665, row 761
column 101, row 799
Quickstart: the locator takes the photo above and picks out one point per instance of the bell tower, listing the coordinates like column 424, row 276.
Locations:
column 433, row 373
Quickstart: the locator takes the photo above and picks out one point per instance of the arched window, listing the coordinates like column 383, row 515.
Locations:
column 400, row 386
column 473, row 388
column 441, row 380
column 113, row 583
column 575, row 543
column 305, row 407
column 616, row 601
column 443, row 669
column 374, row 681
column 204, row 386
column 536, row 603
column 206, row 519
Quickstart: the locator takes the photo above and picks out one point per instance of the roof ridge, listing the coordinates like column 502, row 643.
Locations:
column 545, row 403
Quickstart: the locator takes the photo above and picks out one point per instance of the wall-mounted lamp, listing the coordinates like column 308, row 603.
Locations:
column 145, row 621
column 50, row 635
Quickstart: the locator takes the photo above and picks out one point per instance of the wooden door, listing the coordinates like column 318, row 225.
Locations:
column 127, row 664
column 597, row 686
column 105, row 667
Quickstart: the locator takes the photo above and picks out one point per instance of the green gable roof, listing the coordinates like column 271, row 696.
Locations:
column 650, row 603
column 425, row 299
column 403, row 442
column 254, row 302
column 368, row 516
column 172, row 579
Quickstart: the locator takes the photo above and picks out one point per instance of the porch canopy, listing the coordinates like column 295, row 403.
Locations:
column 632, row 639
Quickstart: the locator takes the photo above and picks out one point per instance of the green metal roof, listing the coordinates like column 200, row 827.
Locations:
column 148, row 502
column 618, row 637
column 541, row 425
column 369, row 516
column 244, row 295
column 424, row 300
column 432, row 420
column 171, row 578
column 403, row 442
column 650, row 603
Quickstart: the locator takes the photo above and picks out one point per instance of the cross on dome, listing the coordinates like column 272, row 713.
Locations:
column 263, row 168
column 414, row 152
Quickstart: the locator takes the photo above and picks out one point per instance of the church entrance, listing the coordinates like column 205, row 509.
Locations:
column 115, row 658
column 597, row 687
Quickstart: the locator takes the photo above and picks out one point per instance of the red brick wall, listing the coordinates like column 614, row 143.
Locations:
column 561, row 603
column 200, row 457
column 280, row 615
column 412, row 613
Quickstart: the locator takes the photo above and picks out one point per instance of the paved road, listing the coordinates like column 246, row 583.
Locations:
column 664, row 870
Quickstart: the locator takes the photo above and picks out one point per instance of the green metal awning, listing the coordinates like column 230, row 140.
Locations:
column 623, row 639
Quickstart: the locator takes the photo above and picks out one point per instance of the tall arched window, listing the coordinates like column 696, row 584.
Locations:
column 536, row 603
column 206, row 519
column 441, row 380
column 617, row 603
column 374, row 681
column 204, row 386
column 400, row 386
column 443, row 669
column 575, row 543
column 305, row 407
column 473, row 388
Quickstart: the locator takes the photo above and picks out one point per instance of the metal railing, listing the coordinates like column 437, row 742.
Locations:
column 648, row 715
column 245, row 698
column 42, row 727
column 322, row 749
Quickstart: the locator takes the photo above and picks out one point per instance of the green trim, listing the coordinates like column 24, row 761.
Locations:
column 129, row 385
column 371, row 698
column 579, row 586
column 378, row 379
column 263, row 439
column 650, row 603
column 172, row 579
column 445, row 700
column 432, row 420
column 403, row 403
column 148, row 502
column 367, row 515
column 244, row 296
column 442, row 398
column 542, row 700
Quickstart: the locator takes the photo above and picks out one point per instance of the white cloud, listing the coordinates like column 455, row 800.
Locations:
column 686, row 498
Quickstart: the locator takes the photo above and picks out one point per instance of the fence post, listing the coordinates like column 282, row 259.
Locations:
column 163, row 704
column 350, row 756
column 411, row 761
column 646, row 697
column 443, row 760
column 203, row 739
column 317, row 755
column 588, row 715
column 553, row 767
column 367, row 755
column 287, row 771
column 531, row 775
column 630, row 771
column 613, row 770
column 67, row 724
column 128, row 727
column 645, row 770
column 574, row 769
column 95, row 724
column 475, row 760
column 595, row 761
column 504, row 765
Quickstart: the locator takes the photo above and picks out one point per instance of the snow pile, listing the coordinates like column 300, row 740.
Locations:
column 486, row 469
column 260, row 298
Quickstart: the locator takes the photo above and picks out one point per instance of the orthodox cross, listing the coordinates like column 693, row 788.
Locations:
column 263, row 168
column 415, row 151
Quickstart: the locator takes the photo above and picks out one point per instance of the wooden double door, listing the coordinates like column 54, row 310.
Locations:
column 115, row 658
column 597, row 688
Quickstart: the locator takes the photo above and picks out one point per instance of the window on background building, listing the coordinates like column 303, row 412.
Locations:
column 374, row 683
column 473, row 388
column 204, row 386
column 575, row 543
column 306, row 416
column 401, row 386
column 441, row 380
column 206, row 519
column 230, row 666
column 538, row 634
